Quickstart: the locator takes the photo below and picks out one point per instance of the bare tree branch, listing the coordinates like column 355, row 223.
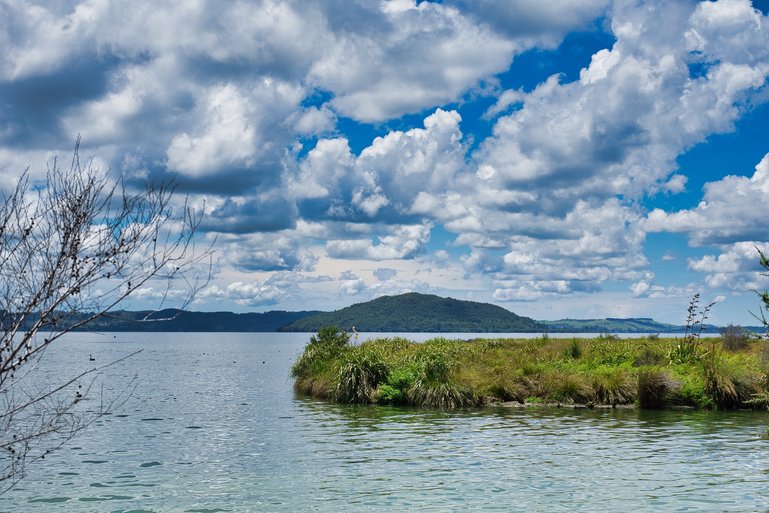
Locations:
column 72, row 250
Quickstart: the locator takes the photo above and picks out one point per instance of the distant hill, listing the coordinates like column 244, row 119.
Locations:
column 172, row 320
column 410, row 312
column 415, row 312
column 617, row 325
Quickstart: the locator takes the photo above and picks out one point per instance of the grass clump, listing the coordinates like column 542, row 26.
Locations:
column 654, row 387
column 359, row 376
column 651, row 373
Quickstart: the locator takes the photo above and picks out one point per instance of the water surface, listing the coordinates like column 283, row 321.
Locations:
column 213, row 426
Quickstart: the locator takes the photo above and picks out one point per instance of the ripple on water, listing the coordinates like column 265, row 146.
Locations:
column 50, row 500
column 150, row 464
column 103, row 498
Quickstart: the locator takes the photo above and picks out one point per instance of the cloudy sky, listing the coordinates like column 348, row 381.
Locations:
column 569, row 158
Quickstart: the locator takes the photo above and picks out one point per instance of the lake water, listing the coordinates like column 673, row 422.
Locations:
column 214, row 426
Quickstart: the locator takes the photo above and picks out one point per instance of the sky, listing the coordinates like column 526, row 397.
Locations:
column 569, row 158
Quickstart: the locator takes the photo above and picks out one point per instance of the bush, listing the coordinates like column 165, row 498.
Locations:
column 687, row 350
column 654, row 386
column 573, row 350
column 649, row 356
column 734, row 338
column 329, row 343
column 330, row 336
column 388, row 394
column 565, row 387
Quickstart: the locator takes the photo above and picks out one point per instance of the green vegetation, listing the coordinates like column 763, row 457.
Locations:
column 415, row 312
column 650, row 372
column 615, row 325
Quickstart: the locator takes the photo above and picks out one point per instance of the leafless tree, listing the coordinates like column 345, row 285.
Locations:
column 72, row 249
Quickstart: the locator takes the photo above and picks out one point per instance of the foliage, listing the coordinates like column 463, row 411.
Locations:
column 734, row 338
column 689, row 349
column 360, row 373
column 654, row 386
column 764, row 262
column 573, row 350
column 448, row 373
column 415, row 312
column 71, row 250
column 329, row 343
column 610, row 325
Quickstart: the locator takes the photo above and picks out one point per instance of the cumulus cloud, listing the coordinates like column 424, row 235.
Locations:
column 422, row 55
column 540, row 23
column 396, row 243
column 253, row 293
column 231, row 131
column 245, row 104
column 545, row 201
column 727, row 214
column 735, row 268
column 399, row 175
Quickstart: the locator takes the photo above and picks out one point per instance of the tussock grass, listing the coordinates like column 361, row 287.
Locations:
column 440, row 373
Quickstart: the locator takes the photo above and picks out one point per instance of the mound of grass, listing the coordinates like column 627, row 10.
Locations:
column 440, row 373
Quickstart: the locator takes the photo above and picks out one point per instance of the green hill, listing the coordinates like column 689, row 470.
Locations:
column 615, row 325
column 415, row 312
column 172, row 320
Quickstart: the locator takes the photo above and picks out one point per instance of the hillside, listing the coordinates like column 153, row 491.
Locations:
column 415, row 312
column 171, row 320
column 616, row 325
column 611, row 325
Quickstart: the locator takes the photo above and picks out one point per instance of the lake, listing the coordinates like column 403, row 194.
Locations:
column 214, row 426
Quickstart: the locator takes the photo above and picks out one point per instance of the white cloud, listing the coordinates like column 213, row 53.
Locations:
column 230, row 137
column 728, row 212
column 315, row 121
column 397, row 243
column 532, row 21
column 430, row 54
column 735, row 268
column 640, row 288
column 398, row 175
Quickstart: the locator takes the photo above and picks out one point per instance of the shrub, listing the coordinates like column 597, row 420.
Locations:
column 649, row 356
column 734, row 338
column 654, row 386
column 433, row 386
column 573, row 350
column 329, row 343
column 686, row 350
column 388, row 394
column 330, row 336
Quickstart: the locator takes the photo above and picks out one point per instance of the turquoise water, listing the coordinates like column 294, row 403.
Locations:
column 213, row 426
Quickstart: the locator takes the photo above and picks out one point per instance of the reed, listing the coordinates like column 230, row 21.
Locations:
column 605, row 370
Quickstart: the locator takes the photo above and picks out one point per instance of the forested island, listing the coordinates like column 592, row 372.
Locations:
column 426, row 313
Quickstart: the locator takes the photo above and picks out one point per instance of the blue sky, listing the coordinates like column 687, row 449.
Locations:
column 572, row 158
